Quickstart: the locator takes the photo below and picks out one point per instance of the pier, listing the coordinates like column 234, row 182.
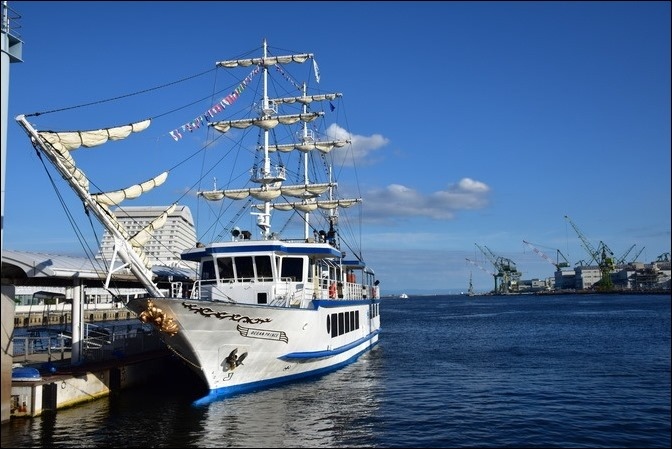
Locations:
column 72, row 385
column 115, row 353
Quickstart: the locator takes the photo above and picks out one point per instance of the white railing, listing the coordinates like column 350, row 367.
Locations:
column 99, row 344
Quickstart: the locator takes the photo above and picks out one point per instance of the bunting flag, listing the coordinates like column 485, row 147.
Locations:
column 282, row 72
column 202, row 119
column 331, row 106
column 317, row 70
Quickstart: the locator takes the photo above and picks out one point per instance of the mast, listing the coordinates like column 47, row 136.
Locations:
column 304, row 139
column 270, row 179
column 264, row 220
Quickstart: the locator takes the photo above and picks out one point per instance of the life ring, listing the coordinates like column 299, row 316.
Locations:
column 332, row 290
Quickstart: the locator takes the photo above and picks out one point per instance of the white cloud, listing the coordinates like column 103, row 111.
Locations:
column 398, row 200
column 361, row 149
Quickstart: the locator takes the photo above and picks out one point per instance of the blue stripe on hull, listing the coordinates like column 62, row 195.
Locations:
column 331, row 303
column 302, row 356
column 253, row 386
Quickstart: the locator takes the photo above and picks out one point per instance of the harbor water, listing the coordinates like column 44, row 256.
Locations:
column 449, row 371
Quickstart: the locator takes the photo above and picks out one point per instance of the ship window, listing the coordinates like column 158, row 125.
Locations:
column 328, row 324
column 341, row 323
column 264, row 268
column 334, row 325
column 225, row 266
column 208, row 272
column 262, row 298
column 347, row 322
column 292, row 268
column 244, row 268
column 357, row 319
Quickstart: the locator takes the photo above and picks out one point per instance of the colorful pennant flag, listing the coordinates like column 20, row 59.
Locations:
column 219, row 107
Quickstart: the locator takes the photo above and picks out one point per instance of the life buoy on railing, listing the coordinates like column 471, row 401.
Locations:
column 332, row 290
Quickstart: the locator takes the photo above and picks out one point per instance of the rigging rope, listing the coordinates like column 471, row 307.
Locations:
column 35, row 114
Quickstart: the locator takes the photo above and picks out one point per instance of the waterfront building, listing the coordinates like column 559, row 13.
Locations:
column 167, row 243
column 633, row 276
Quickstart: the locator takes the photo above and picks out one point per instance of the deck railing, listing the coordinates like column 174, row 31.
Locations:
column 98, row 345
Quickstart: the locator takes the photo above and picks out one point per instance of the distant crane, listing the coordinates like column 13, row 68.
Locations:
column 557, row 264
column 665, row 257
column 603, row 257
column 506, row 269
column 481, row 267
column 636, row 256
column 493, row 260
column 494, row 275
column 624, row 258
column 621, row 260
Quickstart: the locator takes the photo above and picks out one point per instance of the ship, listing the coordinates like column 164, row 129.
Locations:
column 269, row 305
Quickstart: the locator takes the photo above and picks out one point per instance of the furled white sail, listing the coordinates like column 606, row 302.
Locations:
column 260, row 193
column 323, row 146
column 71, row 140
column 63, row 156
column 309, row 206
column 112, row 220
column 267, row 61
column 304, row 207
column 268, row 193
column 265, row 123
column 306, row 190
column 143, row 236
column 117, row 196
column 306, row 99
column 265, row 195
column 66, row 141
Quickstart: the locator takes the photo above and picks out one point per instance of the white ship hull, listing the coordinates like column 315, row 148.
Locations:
column 281, row 343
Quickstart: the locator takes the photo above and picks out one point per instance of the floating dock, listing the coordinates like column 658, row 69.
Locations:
column 62, row 385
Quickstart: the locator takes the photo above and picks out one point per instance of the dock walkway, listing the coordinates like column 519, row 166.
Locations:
column 122, row 362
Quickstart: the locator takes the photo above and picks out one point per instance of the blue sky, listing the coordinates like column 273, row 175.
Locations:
column 478, row 122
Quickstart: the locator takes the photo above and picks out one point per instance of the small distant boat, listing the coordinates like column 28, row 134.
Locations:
column 403, row 296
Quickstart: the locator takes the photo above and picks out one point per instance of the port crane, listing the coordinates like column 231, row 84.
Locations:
column 506, row 269
column 494, row 275
column 624, row 258
column 603, row 257
column 636, row 256
column 557, row 264
column 481, row 267
column 621, row 260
